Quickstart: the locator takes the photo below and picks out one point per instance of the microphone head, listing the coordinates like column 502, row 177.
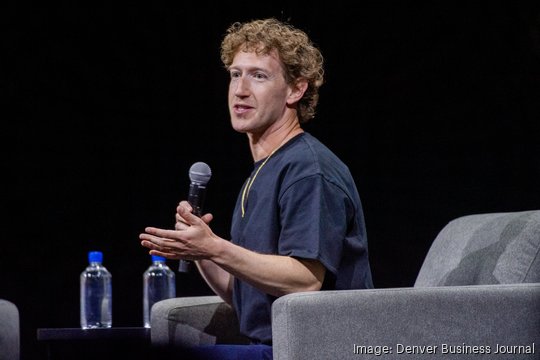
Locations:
column 200, row 173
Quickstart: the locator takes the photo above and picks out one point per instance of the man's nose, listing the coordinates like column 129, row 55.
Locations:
column 241, row 87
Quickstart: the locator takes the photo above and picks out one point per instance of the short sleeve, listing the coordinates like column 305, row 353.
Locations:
column 314, row 214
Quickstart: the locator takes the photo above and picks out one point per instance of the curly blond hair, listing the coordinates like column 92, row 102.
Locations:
column 300, row 58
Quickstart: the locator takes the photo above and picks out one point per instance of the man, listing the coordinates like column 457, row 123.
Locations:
column 298, row 223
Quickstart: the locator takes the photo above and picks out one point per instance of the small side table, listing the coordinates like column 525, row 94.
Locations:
column 112, row 343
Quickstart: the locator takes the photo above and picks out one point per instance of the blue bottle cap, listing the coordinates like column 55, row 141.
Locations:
column 157, row 258
column 95, row 256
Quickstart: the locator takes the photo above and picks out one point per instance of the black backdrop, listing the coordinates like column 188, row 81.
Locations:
column 433, row 107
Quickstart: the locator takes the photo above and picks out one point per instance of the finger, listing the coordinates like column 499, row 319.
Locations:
column 166, row 234
column 180, row 223
column 185, row 204
column 207, row 218
column 154, row 246
column 173, row 249
column 167, row 255
column 185, row 213
column 181, row 226
column 152, row 242
column 167, row 252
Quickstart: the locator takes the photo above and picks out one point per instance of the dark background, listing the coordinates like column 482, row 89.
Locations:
column 434, row 107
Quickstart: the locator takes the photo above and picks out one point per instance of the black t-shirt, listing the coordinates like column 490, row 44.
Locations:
column 303, row 203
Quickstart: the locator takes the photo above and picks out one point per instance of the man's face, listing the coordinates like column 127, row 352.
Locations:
column 258, row 92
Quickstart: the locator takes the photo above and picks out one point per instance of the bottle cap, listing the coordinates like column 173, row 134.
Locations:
column 157, row 258
column 95, row 256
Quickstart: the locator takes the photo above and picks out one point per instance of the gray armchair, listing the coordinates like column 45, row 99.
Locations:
column 477, row 292
column 9, row 331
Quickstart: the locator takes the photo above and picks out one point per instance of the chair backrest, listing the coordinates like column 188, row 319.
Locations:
column 496, row 248
column 9, row 331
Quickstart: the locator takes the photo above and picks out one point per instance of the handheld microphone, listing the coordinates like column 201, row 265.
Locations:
column 199, row 174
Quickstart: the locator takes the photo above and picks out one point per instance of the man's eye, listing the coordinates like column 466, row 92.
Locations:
column 235, row 74
column 259, row 76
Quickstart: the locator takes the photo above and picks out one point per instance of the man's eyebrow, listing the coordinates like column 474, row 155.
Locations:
column 248, row 69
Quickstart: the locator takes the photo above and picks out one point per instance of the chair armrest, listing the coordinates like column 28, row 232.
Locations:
column 192, row 321
column 344, row 324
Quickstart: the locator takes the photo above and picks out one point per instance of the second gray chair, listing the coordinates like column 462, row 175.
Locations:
column 9, row 331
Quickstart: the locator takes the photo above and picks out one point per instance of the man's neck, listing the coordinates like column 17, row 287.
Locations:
column 267, row 143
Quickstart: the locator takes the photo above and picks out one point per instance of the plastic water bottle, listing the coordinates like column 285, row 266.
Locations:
column 159, row 283
column 96, row 294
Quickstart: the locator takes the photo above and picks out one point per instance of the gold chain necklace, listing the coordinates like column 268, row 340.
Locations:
column 250, row 181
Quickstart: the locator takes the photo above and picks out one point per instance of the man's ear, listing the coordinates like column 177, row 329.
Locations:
column 297, row 91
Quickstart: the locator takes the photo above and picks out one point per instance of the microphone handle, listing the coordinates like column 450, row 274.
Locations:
column 195, row 199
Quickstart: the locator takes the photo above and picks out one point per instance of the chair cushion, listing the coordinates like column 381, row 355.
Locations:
column 498, row 248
